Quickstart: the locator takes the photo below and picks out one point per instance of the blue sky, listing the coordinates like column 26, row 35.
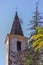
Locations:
column 8, row 8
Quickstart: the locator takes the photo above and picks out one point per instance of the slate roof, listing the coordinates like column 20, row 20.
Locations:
column 16, row 27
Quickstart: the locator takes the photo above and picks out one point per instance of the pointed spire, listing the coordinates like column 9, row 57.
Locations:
column 16, row 27
column 16, row 15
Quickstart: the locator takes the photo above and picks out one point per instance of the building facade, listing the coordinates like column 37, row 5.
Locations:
column 15, row 44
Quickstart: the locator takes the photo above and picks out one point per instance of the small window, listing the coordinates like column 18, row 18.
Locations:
column 18, row 45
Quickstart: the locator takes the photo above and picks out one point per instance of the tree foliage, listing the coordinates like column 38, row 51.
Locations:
column 38, row 39
column 31, row 57
column 35, row 39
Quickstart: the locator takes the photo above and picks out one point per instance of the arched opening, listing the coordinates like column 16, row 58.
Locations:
column 18, row 46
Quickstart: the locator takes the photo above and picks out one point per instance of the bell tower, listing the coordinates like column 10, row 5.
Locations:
column 15, row 43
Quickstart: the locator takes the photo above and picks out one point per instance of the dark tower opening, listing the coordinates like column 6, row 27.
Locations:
column 18, row 46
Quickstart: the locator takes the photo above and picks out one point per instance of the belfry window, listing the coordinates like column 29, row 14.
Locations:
column 18, row 45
